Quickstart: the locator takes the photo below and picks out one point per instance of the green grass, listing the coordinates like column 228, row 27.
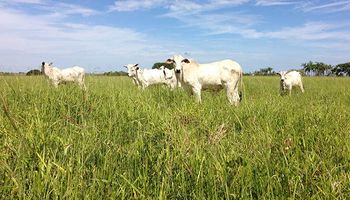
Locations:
column 121, row 143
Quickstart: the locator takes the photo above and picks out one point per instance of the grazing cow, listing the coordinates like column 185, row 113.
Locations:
column 290, row 79
column 195, row 77
column 146, row 77
column 56, row 76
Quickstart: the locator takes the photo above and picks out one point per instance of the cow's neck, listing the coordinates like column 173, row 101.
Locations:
column 139, row 74
column 187, row 74
column 48, row 71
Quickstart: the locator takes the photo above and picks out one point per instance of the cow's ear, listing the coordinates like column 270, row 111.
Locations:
column 169, row 61
column 185, row 60
column 43, row 63
column 136, row 64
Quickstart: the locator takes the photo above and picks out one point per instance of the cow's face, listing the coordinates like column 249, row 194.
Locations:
column 132, row 69
column 283, row 78
column 178, row 61
column 45, row 65
column 168, row 73
column 282, row 75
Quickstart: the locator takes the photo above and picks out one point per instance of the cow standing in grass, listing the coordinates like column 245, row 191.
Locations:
column 290, row 79
column 57, row 76
column 195, row 77
column 146, row 77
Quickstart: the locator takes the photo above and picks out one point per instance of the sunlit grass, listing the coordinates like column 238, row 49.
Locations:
column 116, row 141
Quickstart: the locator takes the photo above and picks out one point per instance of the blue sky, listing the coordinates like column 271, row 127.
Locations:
column 104, row 35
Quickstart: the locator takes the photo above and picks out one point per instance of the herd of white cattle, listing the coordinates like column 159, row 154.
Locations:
column 187, row 73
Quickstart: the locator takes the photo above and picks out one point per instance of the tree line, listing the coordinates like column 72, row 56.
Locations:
column 313, row 69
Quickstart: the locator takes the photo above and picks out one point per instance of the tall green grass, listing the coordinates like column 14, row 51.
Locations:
column 118, row 142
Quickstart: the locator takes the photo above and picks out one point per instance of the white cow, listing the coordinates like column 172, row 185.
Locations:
column 195, row 77
column 170, row 77
column 290, row 79
column 56, row 76
column 146, row 77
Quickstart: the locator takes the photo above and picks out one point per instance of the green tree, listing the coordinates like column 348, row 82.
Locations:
column 265, row 71
column 33, row 72
column 316, row 68
column 159, row 64
column 342, row 69
column 115, row 73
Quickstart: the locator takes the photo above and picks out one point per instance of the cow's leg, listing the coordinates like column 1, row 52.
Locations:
column 82, row 85
column 55, row 83
column 301, row 87
column 134, row 80
column 197, row 92
column 290, row 89
column 81, row 82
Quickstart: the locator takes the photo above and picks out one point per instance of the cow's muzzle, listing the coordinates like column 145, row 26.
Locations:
column 177, row 71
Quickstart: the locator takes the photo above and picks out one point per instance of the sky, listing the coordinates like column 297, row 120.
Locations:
column 105, row 35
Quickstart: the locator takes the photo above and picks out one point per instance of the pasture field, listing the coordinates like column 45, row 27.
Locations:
column 117, row 142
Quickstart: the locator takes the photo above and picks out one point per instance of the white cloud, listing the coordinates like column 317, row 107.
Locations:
column 275, row 2
column 337, row 6
column 313, row 31
column 27, row 40
column 187, row 7
column 71, row 9
column 243, row 24
column 131, row 5
column 175, row 6
column 54, row 8
column 22, row 1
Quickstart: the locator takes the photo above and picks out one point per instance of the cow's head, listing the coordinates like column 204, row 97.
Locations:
column 178, row 61
column 282, row 75
column 168, row 73
column 45, row 65
column 132, row 69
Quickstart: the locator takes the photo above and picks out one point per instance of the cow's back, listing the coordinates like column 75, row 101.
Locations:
column 219, row 72
column 72, row 74
column 152, row 75
column 293, row 77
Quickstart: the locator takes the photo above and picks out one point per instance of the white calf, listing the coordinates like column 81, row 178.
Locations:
column 147, row 77
column 170, row 78
column 56, row 76
column 194, row 77
column 290, row 79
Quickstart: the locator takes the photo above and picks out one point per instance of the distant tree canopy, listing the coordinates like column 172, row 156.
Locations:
column 265, row 71
column 342, row 69
column 33, row 72
column 115, row 73
column 159, row 64
column 317, row 68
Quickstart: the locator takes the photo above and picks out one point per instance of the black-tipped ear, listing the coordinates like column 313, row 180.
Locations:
column 43, row 63
column 137, row 68
column 169, row 61
column 136, row 64
column 185, row 60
